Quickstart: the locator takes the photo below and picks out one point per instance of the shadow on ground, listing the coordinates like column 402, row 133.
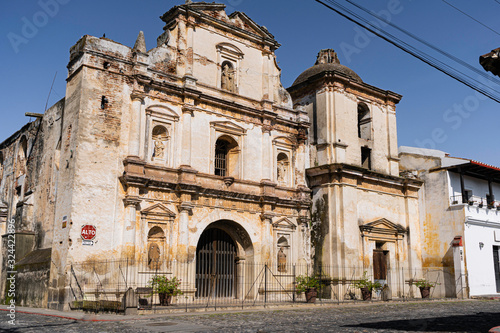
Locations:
column 479, row 322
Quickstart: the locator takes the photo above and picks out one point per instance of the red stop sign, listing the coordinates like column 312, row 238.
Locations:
column 88, row 232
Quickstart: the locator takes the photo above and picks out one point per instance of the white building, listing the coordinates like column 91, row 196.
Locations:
column 461, row 225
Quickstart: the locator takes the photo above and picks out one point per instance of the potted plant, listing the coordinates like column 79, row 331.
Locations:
column 165, row 287
column 425, row 287
column 366, row 286
column 309, row 285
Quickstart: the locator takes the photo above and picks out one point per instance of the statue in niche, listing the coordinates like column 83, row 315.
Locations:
column 160, row 137
column 281, row 261
column 227, row 80
column 159, row 150
column 281, row 171
column 154, row 256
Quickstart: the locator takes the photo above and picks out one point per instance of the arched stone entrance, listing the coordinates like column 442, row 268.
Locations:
column 220, row 258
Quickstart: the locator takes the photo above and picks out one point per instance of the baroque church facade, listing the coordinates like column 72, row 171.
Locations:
column 166, row 152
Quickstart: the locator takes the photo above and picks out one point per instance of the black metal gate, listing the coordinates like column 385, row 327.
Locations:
column 215, row 264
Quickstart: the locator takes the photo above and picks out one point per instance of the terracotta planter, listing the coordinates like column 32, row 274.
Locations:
column 311, row 295
column 425, row 292
column 366, row 293
column 165, row 299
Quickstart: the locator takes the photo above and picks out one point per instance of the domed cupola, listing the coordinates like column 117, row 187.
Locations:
column 326, row 62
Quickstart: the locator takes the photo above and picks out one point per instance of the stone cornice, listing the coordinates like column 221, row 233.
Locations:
column 140, row 174
column 350, row 86
column 338, row 170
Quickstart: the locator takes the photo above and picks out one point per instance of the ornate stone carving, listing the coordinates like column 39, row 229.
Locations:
column 131, row 200
column 228, row 181
column 159, row 149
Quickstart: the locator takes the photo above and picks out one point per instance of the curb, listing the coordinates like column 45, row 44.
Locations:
column 85, row 317
column 68, row 317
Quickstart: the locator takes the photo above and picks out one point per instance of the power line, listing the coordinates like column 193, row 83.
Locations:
column 408, row 49
column 454, row 73
column 435, row 48
column 484, row 25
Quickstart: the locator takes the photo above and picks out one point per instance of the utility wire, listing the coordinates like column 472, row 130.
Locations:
column 498, row 2
column 484, row 25
column 417, row 54
column 435, row 48
column 50, row 91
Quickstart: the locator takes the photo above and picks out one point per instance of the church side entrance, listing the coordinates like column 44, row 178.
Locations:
column 215, row 264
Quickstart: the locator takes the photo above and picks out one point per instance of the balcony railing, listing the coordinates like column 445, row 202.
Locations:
column 475, row 200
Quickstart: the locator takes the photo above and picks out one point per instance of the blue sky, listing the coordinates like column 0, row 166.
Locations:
column 435, row 112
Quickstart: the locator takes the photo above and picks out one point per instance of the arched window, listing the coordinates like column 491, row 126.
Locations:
column 282, row 171
column 226, row 157
column 159, row 143
column 228, row 76
column 364, row 122
column 156, row 242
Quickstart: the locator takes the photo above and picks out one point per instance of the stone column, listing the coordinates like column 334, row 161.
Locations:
column 241, row 291
column 190, row 46
column 135, row 125
column 187, row 114
column 131, row 202
column 267, row 238
column 181, row 48
column 267, row 158
column 185, row 209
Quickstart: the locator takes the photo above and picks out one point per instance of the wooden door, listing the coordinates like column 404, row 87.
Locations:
column 380, row 264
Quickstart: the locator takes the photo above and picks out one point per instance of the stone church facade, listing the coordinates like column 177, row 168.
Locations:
column 196, row 142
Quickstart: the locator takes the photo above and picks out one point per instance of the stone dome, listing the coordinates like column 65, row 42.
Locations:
column 327, row 61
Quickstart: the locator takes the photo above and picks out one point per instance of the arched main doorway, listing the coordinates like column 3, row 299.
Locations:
column 215, row 264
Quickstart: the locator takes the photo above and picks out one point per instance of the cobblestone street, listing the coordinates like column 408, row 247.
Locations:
column 447, row 316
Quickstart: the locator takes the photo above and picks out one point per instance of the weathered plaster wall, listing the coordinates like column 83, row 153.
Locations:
column 334, row 131
column 337, row 221
column 29, row 186
column 440, row 222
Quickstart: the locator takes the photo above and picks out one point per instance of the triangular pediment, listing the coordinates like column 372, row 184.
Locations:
column 284, row 223
column 242, row 21
column 158, row 210
column 383, row 224
column 215, row 14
